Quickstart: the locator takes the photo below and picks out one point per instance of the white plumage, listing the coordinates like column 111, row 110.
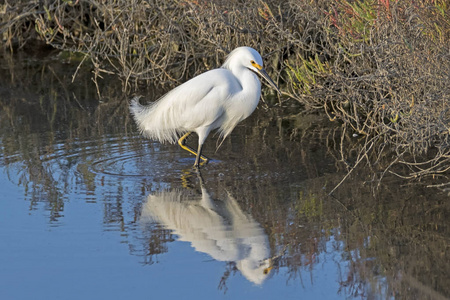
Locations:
column 217, row 99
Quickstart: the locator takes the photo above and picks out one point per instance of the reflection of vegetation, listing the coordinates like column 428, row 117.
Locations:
column 310, row 206
column 47, row 128
column 395, row 235
column 391, row 243
column 404, row 229
column 393, row 239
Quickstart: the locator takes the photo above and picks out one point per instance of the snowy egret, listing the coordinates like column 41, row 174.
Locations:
column 217, row 99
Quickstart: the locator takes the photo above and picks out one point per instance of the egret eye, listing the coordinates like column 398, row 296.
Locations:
column 252, row 62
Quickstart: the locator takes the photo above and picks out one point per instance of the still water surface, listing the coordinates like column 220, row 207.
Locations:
column 90, row 210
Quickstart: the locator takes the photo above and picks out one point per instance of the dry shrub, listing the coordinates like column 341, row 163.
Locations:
column 388, row 81
column 149, row 41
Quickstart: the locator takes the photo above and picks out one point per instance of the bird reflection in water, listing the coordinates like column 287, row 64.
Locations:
column 218, row 228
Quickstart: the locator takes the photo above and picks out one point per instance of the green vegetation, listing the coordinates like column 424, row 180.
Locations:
column 380, row 68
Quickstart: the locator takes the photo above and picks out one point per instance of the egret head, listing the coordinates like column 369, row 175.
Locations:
column 252, row 60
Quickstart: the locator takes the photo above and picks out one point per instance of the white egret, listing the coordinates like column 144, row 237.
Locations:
column 217, row 99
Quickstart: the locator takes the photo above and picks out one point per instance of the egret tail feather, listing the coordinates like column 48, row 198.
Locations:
column 155, row 121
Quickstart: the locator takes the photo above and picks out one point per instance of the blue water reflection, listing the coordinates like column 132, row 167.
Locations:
column 90, row 210
column 221, row 253
column 123, row 232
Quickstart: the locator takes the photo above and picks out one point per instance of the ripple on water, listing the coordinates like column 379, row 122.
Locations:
column 118, row 156
column 131, row 157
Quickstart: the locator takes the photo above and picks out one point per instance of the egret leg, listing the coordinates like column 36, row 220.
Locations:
column 182, row 143
column 199, row 154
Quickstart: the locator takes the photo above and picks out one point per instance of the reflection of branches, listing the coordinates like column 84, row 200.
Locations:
column 52, row 121
column 230, row 268
column 153, row 243
column 361, row 155
column 380, row 230
column 38, row 180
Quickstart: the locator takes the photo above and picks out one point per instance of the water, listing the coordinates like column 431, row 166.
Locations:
column 91, row 210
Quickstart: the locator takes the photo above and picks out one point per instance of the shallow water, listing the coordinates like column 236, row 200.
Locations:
column 90, row 210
